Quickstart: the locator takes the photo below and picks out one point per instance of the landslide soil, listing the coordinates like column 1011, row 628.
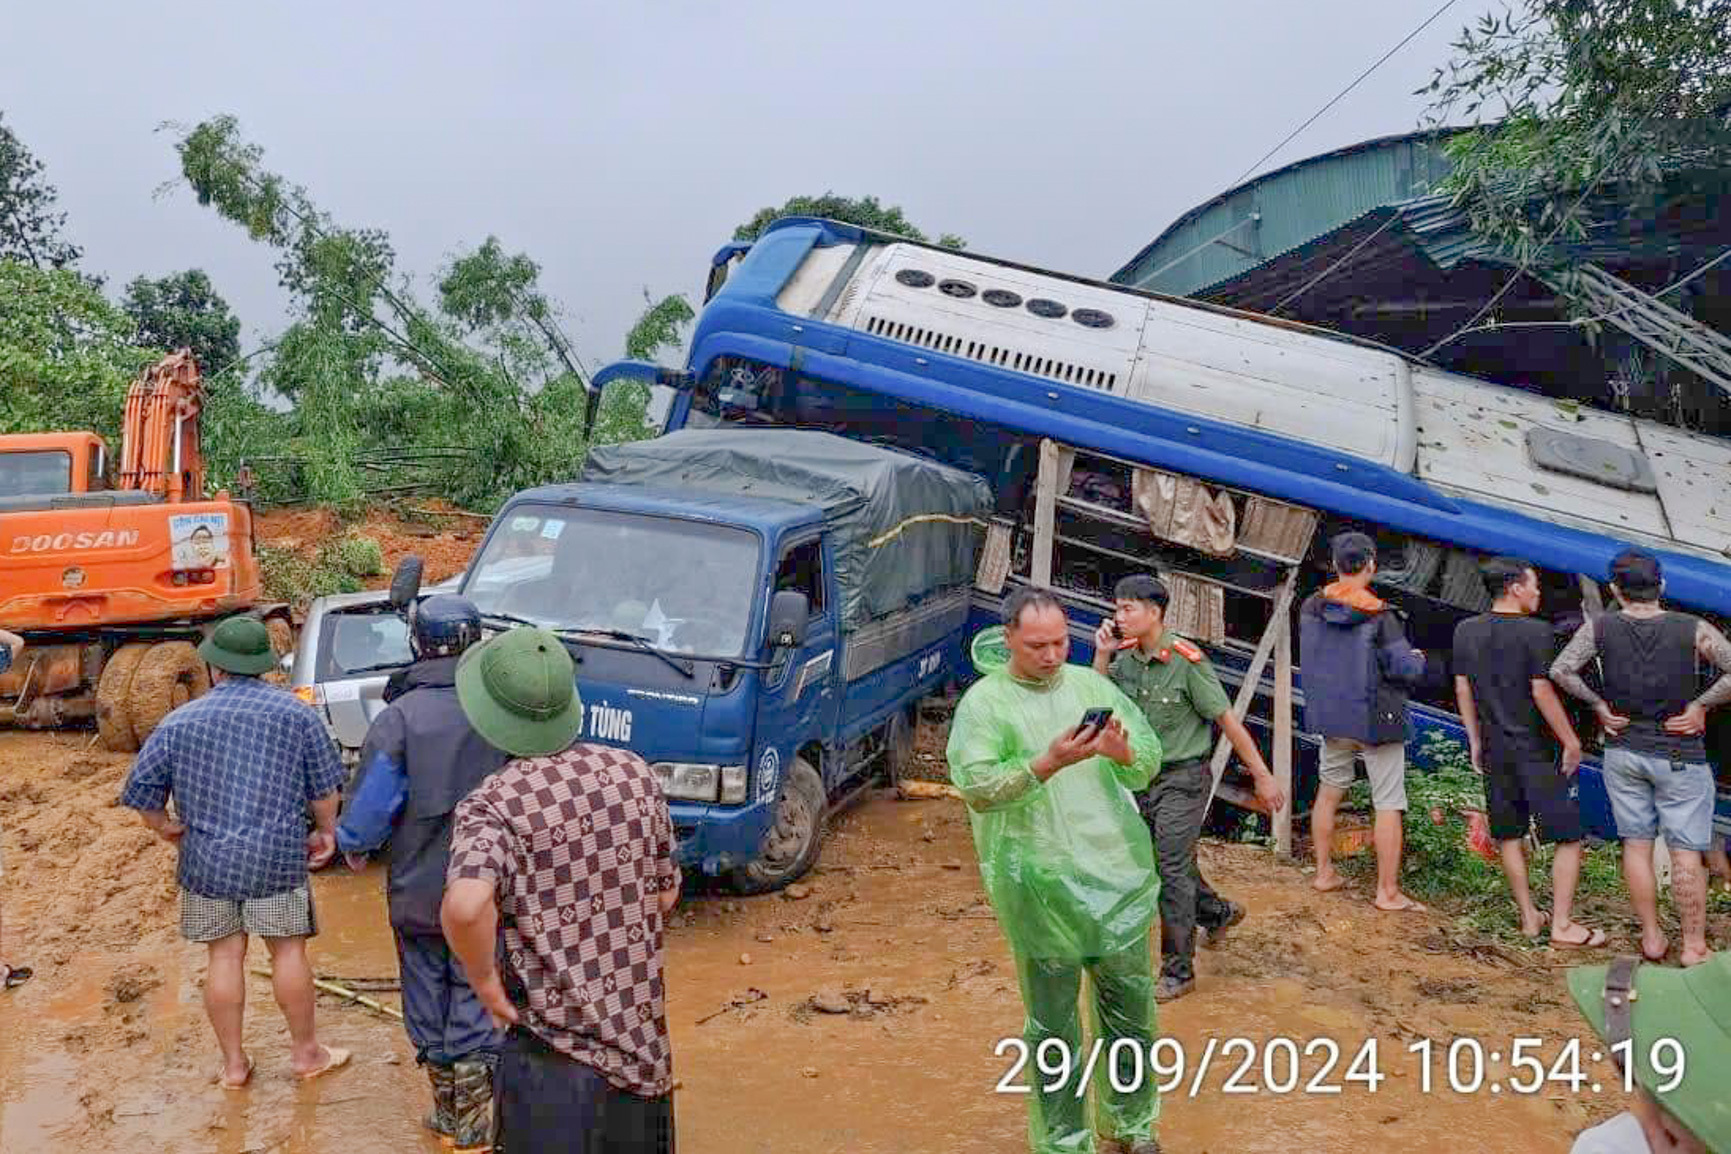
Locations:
column 861, row 1012
column 107, row 1049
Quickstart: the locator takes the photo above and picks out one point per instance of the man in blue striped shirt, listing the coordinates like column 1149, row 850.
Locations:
column 244, row 763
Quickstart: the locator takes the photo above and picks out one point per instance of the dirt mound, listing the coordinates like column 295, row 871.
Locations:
column 441, row 536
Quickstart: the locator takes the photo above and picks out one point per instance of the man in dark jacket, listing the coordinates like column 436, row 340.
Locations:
column 420, row 759
column 1358, row 667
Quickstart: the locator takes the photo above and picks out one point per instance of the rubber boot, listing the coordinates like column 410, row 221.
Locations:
column 442, row 1120
column 474, row 1107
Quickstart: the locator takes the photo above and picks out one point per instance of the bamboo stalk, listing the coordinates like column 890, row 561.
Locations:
column 342, row 992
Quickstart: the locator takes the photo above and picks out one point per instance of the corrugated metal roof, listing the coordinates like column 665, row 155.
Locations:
column 1281, row 210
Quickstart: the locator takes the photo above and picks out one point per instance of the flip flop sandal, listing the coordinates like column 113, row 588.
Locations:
column 335, row 1059
column 1595, row 939
column 1544, row 920
column 1411, row 907
column 16, row 976
column 240, row 1085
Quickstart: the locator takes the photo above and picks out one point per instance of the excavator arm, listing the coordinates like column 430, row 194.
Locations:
column 160, row 450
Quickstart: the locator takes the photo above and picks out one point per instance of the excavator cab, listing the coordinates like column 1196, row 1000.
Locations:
column 41, row 466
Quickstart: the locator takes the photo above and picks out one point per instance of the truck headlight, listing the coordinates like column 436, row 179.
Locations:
column 691, row 782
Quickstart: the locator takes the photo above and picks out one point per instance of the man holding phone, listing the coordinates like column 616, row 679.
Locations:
column 1172, row 683
column 1043, row 753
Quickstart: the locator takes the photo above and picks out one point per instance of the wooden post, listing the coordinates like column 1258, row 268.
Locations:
column 1283, row 734
column 1253, row 677
column 1046, row 512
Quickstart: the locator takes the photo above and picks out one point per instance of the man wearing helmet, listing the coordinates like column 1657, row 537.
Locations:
column 420, row 759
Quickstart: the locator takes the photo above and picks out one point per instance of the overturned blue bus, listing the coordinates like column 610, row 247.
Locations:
column 1285, row 433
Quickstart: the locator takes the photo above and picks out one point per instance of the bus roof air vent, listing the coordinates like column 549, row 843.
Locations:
column 1051, row 310
column 916, row 278
column 1002, row 298
column 1092, row 318
column 960, row 289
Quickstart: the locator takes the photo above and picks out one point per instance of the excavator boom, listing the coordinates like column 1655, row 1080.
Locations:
column 160, row 450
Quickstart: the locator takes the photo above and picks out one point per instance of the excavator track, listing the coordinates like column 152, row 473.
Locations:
column 114, row 696
column 170, row 675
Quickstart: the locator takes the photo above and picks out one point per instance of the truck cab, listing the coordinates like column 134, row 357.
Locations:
column 712, row 635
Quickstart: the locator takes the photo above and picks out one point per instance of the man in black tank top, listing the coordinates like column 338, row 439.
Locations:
column 1656, row 770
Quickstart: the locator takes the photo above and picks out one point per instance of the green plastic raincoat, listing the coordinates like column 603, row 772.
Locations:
column 1069, row 866
column 1068, row 862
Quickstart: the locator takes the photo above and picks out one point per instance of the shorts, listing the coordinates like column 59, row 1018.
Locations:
column 284, row 915
column 1385, row 765
column 1526, row 787
column 1650, row 794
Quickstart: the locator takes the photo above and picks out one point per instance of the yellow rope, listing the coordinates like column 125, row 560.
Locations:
column 923, row 517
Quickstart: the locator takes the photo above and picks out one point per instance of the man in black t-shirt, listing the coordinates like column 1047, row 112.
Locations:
column 1512, row 712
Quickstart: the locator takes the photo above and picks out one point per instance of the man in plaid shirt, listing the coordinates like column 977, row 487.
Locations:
column 573, row 845
column 244, row 763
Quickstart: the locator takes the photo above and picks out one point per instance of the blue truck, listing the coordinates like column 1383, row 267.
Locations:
column 756, row 612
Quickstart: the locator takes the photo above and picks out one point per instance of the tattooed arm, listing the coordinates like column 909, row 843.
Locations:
column 1566, row 672
column 1713, row 647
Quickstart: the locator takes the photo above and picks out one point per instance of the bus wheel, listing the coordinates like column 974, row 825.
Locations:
column 791, row 846
column 113, row 697
column 168, row 677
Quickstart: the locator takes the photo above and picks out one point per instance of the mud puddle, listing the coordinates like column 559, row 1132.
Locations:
column 861, row 1012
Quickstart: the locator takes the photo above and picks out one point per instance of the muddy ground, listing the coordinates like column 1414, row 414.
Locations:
column 107, row 1049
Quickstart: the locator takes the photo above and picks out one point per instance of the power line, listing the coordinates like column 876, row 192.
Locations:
column 1341, row 95
column 1325, row 273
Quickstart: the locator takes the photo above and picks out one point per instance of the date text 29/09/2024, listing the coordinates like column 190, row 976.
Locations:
column 1321, row 1066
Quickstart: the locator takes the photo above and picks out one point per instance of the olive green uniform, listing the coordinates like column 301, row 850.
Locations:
column 1180, row 695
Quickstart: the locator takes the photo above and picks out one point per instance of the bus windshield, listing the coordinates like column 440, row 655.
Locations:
column 681, row 585
column 33, row 473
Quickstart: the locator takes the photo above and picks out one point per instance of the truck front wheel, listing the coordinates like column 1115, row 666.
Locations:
column 792, row 844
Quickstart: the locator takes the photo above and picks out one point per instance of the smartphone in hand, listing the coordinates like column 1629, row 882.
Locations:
column 1094, row 719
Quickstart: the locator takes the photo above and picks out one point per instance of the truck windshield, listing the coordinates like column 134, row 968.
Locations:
column 684, row 586
column 29, row 474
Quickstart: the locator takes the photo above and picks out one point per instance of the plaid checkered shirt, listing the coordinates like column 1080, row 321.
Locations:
column 242, row 763
column 578, row 847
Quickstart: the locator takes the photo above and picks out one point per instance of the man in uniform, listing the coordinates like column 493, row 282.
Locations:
column 1066, row 862
column 1171, row 681
column 420, row 759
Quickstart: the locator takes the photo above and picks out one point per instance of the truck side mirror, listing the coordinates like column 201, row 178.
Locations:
column 789, row 614
column 406, row 583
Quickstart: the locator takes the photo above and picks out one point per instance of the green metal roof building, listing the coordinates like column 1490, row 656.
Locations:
column 1357, row 241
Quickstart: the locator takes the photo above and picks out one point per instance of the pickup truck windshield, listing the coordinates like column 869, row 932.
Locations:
column 684, row 586
column 34, row 473
column 359, row 642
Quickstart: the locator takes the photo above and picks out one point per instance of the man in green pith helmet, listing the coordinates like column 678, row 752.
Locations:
column 1674, row 1026
column 1045, row 754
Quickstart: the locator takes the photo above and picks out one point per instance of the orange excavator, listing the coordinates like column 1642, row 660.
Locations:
column 113, row 586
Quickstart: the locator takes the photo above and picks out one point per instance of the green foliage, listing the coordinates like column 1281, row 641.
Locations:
column 1440, row 868
column 475, row 398
column 1588, row 93
column 866, row 212
column 66, row 353
column 357, row 556
column 182, row 310
column 659, row 327
column 30, row 226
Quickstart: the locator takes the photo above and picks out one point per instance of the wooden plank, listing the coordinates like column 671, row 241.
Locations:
column 1252, row 678
column 1283, row 735
column 1053, row 458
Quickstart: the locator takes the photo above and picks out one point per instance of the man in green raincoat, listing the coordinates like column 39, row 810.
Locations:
column 1068, row 865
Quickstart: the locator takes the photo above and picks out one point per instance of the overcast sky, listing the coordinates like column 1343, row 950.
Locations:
column 619, row 144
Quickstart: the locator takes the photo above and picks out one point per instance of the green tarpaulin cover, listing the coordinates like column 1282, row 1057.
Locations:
column 901, row 527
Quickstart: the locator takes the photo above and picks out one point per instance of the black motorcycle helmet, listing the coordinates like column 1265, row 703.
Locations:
column 446, row 625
